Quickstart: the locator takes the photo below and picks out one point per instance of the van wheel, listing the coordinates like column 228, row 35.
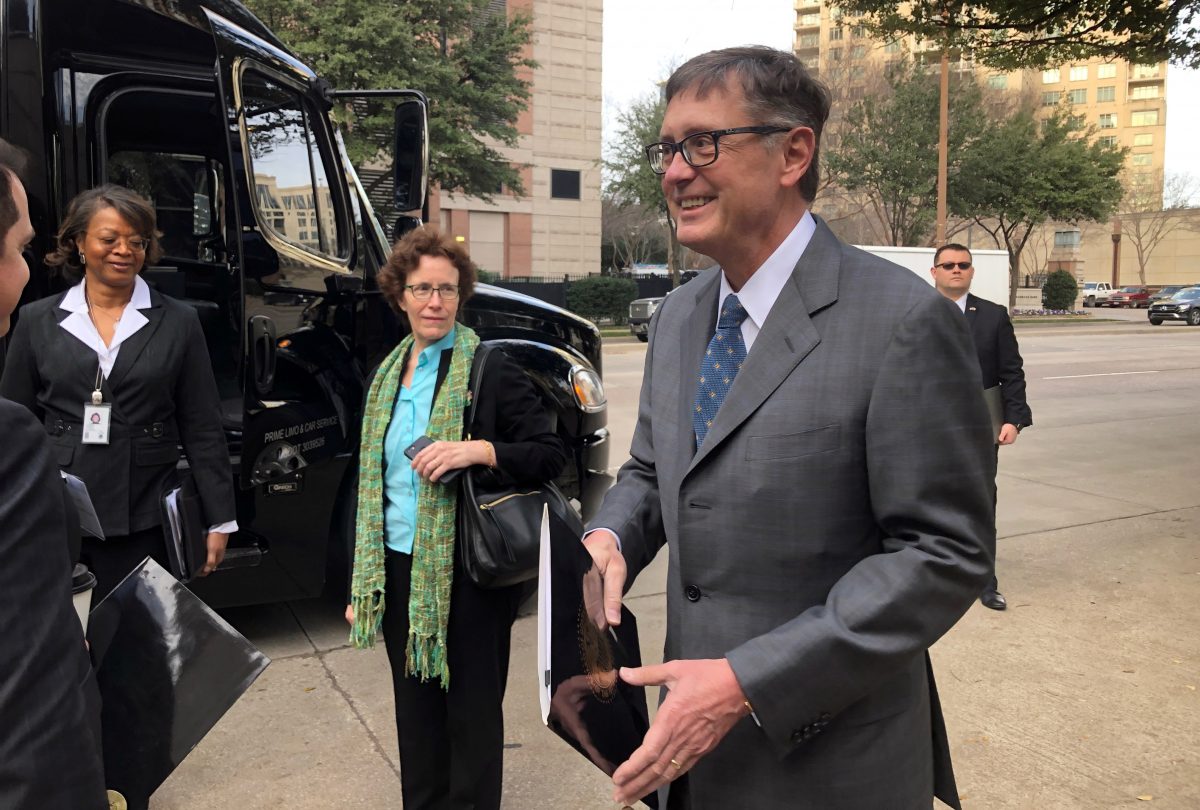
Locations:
column 1090, row 301
column 1194, row 317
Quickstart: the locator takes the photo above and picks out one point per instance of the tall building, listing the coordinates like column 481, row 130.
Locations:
column 1126, row 103
column 554, row 229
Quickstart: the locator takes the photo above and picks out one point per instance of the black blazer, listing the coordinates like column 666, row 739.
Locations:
column 49, row 749
column 511, row 416
column 163, row 394
column 999, row 357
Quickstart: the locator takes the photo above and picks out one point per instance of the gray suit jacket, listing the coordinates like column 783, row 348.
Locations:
column 837, row 520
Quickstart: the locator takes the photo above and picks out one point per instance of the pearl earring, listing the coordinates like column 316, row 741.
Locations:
column 82, row 258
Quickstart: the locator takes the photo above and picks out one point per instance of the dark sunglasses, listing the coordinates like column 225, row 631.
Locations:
column 952, row 265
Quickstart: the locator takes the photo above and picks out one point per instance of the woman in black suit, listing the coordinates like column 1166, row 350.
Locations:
column 448, row 640
column 119, row 376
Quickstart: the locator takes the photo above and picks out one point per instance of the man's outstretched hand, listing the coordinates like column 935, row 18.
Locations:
column 704, row 702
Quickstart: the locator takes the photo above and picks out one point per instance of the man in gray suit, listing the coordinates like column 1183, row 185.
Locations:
column 811, row 445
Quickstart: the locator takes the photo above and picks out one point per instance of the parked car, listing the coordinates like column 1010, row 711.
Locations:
column 1135, row 297
column 1165, row 293
column 640, row 313
column 1095, row 293
column 1183, row 306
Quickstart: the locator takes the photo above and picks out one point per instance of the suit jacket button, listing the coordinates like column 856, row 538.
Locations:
column 692, row 592
column 797, row 736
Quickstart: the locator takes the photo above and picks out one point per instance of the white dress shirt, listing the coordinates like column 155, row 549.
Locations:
column 961, row 303
column 79, row 323
column 762, row 289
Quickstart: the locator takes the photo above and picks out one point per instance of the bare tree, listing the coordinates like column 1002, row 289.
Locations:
column 636, row 232
column 1148, row 217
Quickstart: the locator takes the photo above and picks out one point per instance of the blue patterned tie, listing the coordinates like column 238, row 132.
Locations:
column 724, row 357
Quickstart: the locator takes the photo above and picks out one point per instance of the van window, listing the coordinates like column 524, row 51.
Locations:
column 293, row 197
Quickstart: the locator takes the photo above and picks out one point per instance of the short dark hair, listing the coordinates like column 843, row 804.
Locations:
column 406, row 255
column 13, row 161
column 937, row 254
column 778, row 89
column 133, row 208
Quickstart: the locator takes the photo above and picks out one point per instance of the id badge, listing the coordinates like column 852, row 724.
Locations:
column 96, row 421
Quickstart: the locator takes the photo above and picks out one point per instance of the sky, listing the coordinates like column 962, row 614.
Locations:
column 645, row 39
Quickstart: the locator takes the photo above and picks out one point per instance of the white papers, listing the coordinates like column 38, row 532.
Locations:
column 175, row 549
column 543, row 609
column 88, row 520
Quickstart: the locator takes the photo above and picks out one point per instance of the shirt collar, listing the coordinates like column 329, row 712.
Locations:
column 961, row 302
column 76, row 300
column 761, row 290
column 436, row 348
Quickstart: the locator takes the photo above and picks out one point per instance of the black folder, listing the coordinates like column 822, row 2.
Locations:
column 583, row 699
column 184, row 530
column 168, row 668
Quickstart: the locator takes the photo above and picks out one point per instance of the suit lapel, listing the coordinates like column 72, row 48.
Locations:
column 698, row 329
column 131, row 349
column 80, row 354
column 785, row 339
column 972, row 312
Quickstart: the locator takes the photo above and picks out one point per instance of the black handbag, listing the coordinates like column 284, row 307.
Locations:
column 499, row 523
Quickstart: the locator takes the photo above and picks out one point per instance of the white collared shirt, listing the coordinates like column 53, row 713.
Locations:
column 761, row 290
column 961, row 303
column 80, row 324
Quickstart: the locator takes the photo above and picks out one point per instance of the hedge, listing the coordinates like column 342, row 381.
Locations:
column 600, row 297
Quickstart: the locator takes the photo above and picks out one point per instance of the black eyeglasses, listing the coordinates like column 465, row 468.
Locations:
column 952, row 265
column 699, row 149
column 423, row 292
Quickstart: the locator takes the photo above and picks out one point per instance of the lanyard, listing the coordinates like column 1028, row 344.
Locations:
column 97, row 396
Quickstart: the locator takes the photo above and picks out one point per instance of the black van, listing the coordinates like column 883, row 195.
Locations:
column 270, row 235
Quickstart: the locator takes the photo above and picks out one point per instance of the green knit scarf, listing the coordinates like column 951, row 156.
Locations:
column 433, row 546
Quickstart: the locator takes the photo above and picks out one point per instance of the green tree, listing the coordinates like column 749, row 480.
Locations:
column 469, row 62
column 1012, row 34
column 1060, row 290
column 1023, row 172
column 628, row 178
column 887, row 150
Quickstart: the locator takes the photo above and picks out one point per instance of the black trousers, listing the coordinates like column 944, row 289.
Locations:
column 112, row 559
column 452, row 742
column 995, row 583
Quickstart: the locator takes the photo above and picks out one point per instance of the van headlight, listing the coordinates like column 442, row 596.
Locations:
column 589, row 390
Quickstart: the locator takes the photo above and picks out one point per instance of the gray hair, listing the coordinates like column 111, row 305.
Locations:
column 778, row 91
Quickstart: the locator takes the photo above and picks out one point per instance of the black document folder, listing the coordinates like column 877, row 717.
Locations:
column 184, row 530
column 168, row 668
column 579, row 653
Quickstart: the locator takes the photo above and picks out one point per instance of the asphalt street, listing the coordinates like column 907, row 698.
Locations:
column 1082, row 695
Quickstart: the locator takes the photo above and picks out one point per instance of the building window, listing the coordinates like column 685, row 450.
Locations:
column 1108, row 71
column 564, row 184
column 892, row 47
column 857, row 72
column 1108, row 121
column 808, row 40
column 1066, row 239
column 858, row 52
column 1108, row 93
column 1144, row 139
column 1077, row 96
column 1145, row 71
column 998, row 81
column 835, row 34
column 1144, row 118
column 1146, row 91
column 1051, row 76
column 1109, row 141
column 1050, row 98
column 1079, row 73
column 810, row 19
column 860, row 31
column 835, row 54
column 1142, row 160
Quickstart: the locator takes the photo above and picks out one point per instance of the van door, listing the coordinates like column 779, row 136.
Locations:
column 297, row 253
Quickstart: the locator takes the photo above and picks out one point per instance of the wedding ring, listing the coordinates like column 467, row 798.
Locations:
column 675, row 762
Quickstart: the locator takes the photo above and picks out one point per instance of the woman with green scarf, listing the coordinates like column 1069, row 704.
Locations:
column 447, row 640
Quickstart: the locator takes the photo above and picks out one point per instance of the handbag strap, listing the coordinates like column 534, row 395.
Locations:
column 477, row 365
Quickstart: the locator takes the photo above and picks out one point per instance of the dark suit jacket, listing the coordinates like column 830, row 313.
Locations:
column 999, row 357
column 49, row 753
column 835, row 523
column 163, row 394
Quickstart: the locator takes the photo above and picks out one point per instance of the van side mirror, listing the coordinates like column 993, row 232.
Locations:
column 403, row 226
column 410, row 142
